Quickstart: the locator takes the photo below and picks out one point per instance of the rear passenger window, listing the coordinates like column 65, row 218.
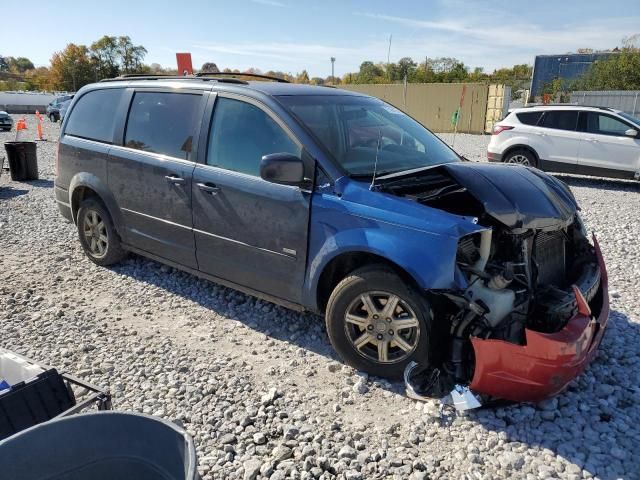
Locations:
column 241, row 134
column 163, row 123
column 560, row 119
column 529, row 118
column 94, row 114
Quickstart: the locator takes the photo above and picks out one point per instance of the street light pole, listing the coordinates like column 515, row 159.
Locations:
column 333, row 78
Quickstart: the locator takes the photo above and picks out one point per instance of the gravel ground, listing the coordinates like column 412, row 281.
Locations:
column 259, row 387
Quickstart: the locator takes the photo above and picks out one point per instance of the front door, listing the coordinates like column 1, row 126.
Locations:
column 151, row 173
column 247, row 230
column 605, row 145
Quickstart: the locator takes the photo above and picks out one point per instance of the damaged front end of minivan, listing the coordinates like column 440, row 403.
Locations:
column 531, row 302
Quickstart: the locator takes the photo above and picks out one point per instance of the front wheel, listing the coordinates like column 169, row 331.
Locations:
column 377, row 323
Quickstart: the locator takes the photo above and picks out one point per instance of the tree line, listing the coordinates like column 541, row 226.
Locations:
column 110, row 56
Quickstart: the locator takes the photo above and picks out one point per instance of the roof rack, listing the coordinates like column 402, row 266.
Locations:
column 234, row 74
column 552, row 105
column 145, row 76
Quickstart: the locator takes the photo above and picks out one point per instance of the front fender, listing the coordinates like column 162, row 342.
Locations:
column 89, row 180
column 428, row 256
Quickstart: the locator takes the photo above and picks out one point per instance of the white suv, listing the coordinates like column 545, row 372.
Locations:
column 596, row 141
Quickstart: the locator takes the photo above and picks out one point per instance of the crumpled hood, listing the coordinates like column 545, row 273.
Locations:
column 516, row 196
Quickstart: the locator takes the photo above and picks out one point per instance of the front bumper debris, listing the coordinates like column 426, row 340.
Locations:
column 545, row 365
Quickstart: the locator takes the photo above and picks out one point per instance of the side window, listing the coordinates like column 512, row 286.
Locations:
column 560, row 119
column 94, row 114
column 605, row 125
column 163, row 123
column 241, row 134
column 529, row 118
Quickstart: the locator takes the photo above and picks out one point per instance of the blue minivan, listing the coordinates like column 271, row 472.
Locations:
column 333, row 202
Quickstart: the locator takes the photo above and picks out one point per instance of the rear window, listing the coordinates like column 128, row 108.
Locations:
column 163, row 123
column 529, row 118
column 560, row 119
column 93, row 116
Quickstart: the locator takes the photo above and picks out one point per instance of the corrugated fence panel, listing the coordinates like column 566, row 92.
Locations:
column 626, row 100
column 433, row 104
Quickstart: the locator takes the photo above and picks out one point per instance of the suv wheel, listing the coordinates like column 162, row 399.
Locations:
column 98, row 237
column 521, row 157
column 377, row 323
column 52, row 117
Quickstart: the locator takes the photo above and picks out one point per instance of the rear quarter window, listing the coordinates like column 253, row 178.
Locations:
column 529, row 118
column 94, row 114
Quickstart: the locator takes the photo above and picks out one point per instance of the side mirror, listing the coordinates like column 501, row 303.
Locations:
column 632, row 132
column 282, row 168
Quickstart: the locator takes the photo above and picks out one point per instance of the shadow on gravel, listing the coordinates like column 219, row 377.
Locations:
column 274, row 321
column 594, row 424
column 42, row 183
column 9, row 192
column 600, row 183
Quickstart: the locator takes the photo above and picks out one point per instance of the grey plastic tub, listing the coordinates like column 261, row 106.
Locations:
column 100, row 446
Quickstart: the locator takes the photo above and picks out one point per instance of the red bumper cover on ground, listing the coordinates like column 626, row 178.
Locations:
column 546, row 364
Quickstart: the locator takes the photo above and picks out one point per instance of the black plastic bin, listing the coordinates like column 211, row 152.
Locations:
column 33, row 402
column 100, row 446
column 23, row 160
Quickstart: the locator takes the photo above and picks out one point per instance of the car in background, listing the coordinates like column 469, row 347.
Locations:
column 53, row 109
column 6, row 122
column 64, row 106
column 597, row 141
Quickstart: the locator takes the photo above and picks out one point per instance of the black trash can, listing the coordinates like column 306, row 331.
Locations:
column 23, row 160
column 100, row 446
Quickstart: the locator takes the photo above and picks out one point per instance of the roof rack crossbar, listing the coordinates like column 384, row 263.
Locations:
column 238, row 74
column 144, row 76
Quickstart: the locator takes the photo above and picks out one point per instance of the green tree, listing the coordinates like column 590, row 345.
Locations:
column 405, row 68
column 71, row 68
column 19, row 64
column 303, row 77
column 105, row 55
column 621, row 71
column 130, row 55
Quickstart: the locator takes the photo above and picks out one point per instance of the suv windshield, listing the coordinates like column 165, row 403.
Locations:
column 354, row 129
column 630, row 118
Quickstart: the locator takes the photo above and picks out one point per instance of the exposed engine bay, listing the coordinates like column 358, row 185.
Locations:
column 518, row 272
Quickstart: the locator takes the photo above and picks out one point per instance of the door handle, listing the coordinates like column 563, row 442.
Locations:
column 540, row 134
column 174, row 179
column 592, row 140
column 208, row 187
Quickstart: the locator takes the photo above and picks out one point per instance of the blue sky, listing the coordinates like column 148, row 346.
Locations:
column 293, row 35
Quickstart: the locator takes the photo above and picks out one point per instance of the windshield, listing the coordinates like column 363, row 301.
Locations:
column 353, row 129
column 630, row 118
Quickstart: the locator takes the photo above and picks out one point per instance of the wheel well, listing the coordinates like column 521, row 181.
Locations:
column 80, row 194
column 526, row 148
column 339, row 267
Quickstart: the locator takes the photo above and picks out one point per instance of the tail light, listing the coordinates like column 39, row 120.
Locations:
column 500, row 128
column 58, row 160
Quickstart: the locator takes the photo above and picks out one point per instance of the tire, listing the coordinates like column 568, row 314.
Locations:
column 97, row 235
column 521, row 157
column 349, row 321
column 52, row 117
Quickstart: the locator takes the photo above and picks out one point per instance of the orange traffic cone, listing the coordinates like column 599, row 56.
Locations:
column 39, row 117
column 21, row 124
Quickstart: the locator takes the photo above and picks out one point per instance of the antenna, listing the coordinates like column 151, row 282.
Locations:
column 375, row 163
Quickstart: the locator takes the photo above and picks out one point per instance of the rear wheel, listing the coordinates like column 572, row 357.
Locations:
column 521, row 157
column 377, row 323
column 97, row 234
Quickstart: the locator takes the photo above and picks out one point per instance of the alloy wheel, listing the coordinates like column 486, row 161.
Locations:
column 519, row 159
column 95, row 232
column 382, row 327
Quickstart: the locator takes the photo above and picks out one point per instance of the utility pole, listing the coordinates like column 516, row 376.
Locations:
column 333, row 78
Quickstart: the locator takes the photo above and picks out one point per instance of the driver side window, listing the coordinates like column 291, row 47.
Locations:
column 241, row 134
